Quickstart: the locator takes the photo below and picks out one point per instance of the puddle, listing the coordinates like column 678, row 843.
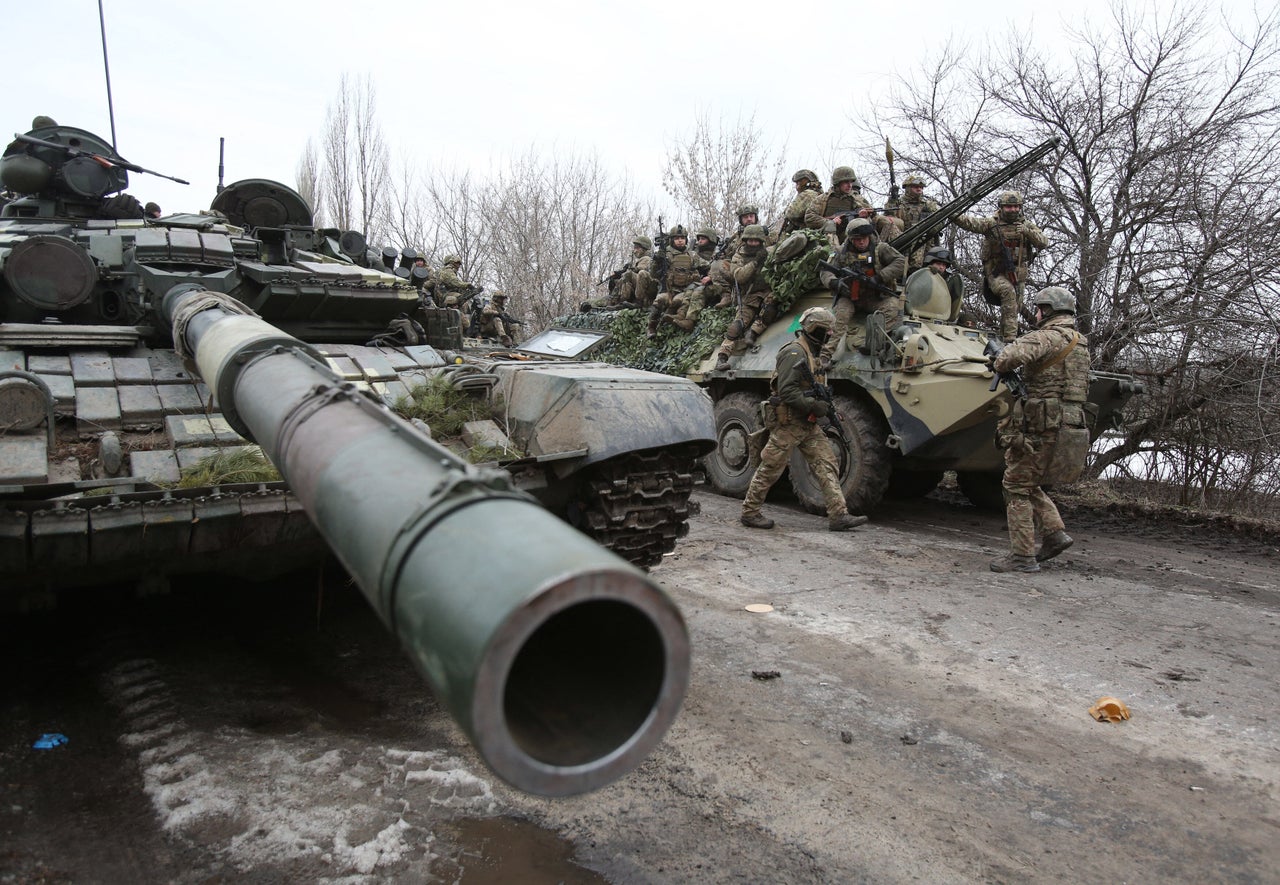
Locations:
column 501, row 850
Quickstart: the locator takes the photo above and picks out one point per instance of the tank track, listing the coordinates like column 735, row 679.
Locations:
column 638, row 505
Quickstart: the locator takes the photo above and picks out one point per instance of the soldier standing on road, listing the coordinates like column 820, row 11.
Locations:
column 1046, row 427
column 908, row 210
column 756, row 307
column 793, row 424
column 835, row 205
column 808, row 194
column 1009, row 246
column 878, row 262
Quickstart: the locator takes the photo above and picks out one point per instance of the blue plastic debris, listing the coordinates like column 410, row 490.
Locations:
column 49, row 741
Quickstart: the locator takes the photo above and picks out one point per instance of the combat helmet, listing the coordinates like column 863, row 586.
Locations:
column 860, row 227
column 844, row 173
column 498, row 295
column 1010, row 198
column 817, row 318
column 938, row 253
column 452, row 261
column 1054, row 299
column 678, row 231
column 913, row 179
column 804, row 175
column 748, row 209
column 754, row 232
column 643, row 242
column 707, row 232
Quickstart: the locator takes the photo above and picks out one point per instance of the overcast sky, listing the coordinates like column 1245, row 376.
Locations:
column 467, row 83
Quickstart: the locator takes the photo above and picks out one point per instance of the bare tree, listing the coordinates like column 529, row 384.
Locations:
column 1158, row 210
column 719, row 166
column 310, row 184
column 355, row 159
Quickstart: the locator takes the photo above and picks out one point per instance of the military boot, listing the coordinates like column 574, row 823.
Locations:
column 722, row 361
column 750, row 337
column 756, row 521
column 1015, row 563
column 1054, row 543
column 844, row 522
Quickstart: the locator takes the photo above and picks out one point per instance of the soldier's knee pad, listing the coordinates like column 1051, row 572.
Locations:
column 735, row 330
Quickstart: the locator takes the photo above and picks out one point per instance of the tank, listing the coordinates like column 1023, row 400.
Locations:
column 915, row 406
column 133, row 349
column 106, row 424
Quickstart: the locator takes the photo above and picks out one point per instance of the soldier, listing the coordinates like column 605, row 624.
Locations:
column 876, row 261
column 451, row 287
column 151, row 210
column 704, row 243
column 492, row 319
column 756, row 307
column 843, row 202
column 685, row 271
column 1045, row 429
column 808, row 194
column 793, row 412
column 908, row 210
column 1009, row 246
column 637, row 286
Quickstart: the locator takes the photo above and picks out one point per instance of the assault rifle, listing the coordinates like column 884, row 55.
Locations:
column 660, row 256
column 919, row 233
column 848, row 275
column 1013, row 380
column 823, row 392
column 105, row 162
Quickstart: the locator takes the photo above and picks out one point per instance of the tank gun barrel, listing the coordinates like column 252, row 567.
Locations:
column 564, row 664
column 913, row 237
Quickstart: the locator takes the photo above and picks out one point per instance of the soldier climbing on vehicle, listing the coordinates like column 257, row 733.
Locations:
column 1010, row 243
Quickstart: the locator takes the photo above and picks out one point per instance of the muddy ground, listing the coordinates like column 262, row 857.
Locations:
column 929, row 723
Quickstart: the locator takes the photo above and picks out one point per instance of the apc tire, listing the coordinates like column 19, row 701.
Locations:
column 907, row 484
column 728, row 465
column 984, row 490
column 863, row 468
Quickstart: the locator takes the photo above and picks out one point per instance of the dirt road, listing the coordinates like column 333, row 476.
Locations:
column 929, row 722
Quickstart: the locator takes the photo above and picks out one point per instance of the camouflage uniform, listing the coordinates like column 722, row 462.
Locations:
column 808, row 193
column 492, row 325
column 451, row 288
column 1022, row 238
column 796, row 428
column 1055, row 398
column 837, row 200
column 908, row 210
column 756, row 307
column 685, row 271
column 883, row 262
column 638, row 285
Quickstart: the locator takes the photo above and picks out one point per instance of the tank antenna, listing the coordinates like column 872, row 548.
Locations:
column 222, row 144
column 102, row 25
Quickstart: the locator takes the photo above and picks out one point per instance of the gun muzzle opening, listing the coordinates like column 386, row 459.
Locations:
column 590, row 687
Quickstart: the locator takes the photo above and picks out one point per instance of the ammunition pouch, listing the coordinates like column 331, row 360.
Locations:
column 773, row 413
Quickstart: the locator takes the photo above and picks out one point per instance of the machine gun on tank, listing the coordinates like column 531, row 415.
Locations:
column 73, row 153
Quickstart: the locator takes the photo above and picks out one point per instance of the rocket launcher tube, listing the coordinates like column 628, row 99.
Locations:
column 564, row 664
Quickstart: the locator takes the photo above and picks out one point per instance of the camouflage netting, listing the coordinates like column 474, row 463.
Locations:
column 792, row 278
column 672, row 352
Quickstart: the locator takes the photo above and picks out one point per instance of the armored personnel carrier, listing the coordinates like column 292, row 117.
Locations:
column 134, row 349
column 912, row 407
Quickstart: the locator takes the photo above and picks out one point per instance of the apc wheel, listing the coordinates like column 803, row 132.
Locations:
column 863, row 467
column 983, row 490
column 905, row 484
column 728, row 466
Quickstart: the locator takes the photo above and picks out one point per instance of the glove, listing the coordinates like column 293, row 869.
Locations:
column 820, row 409
column 838, row 286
